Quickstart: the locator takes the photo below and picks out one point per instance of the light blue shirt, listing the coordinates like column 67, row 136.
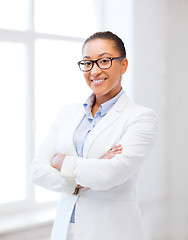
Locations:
column 88, row 123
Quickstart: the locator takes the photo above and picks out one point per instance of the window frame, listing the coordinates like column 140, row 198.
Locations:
column 28, row 38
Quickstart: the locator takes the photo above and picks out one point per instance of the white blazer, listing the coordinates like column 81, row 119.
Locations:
column 106, row 208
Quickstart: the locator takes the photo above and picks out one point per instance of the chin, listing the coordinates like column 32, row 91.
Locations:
column 99, row 92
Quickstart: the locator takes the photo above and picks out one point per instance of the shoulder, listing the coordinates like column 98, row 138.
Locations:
column 138, row 110
column 70, row 109
column 134, row 111
column 67, row 113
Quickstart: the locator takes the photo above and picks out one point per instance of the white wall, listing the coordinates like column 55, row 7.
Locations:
column 177, row 118
column 150, row 85
column 159, row 78
column 161, row 36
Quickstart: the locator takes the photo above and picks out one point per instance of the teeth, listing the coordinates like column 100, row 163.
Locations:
column 98, row 81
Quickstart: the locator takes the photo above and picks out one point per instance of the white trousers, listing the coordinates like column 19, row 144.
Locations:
column 71, row 232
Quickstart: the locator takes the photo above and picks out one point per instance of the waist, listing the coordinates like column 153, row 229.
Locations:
column 110, row 195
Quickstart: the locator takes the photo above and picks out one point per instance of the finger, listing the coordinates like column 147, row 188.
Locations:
column 117, row 146
column 116, row 150
column 119, row 152
column 108, row 156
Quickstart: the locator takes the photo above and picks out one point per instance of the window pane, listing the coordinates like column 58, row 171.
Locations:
column 14, row 14
column 72, row 18
column 12, row 126
column 58, row 82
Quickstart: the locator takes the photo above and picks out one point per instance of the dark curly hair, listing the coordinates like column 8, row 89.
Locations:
column 108, row 36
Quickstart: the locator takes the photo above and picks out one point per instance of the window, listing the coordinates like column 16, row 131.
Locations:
column 40, row 45
column 12, row 127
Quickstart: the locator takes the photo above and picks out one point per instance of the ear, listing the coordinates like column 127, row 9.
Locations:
column 124, row 65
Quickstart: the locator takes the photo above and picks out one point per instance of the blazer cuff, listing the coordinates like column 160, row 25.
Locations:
column 68, row 166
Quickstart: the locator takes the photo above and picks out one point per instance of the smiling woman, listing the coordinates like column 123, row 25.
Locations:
column 94, row 151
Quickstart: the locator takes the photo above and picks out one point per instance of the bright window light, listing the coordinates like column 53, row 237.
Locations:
column 70, row 18
column 12, row 127
column 14, row 14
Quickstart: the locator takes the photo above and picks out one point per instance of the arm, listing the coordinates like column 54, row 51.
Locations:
column 57, row 161
column 45, row 166
column 43, row 174
column 103, row 174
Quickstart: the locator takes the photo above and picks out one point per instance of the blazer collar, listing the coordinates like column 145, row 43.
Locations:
column 107, row 120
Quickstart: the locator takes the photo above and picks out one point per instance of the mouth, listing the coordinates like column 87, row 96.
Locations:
column 98, row 81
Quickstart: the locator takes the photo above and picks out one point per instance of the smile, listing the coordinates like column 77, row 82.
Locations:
column 98, row 81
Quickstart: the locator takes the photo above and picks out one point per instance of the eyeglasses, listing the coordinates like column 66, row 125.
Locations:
column 102, row 63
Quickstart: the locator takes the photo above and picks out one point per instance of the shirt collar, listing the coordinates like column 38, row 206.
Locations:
column 104, row 108
column 88, row 104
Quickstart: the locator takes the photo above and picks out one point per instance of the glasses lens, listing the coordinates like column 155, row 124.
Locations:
column 104, row 63
column 85, row 65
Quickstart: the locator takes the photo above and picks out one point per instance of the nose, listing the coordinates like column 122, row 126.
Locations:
column 95, row 70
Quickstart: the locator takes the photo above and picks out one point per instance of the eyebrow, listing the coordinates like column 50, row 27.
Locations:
column 100, row 55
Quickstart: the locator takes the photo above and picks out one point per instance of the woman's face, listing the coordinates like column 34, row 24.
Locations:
column 110, row 79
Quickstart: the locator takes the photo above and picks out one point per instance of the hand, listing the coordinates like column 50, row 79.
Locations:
column 113, row 151
column 57, row 161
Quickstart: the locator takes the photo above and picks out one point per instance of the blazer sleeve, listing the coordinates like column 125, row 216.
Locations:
column 42, row 173
column 103, row 174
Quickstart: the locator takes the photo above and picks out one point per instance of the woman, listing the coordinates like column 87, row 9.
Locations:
column 93, row 154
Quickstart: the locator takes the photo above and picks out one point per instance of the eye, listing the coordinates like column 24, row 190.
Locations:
column 86, row 63
column 104, row 61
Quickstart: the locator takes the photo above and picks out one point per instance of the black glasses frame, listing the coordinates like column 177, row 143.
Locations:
column 96, row 61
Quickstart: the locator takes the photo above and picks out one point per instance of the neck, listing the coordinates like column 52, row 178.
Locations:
column 104, row 98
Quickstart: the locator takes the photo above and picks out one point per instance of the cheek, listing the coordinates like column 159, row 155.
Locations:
column 86, row 76
column 115, row 74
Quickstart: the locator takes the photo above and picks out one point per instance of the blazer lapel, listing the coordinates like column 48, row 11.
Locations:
column 73, row 125
column 107, row 120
